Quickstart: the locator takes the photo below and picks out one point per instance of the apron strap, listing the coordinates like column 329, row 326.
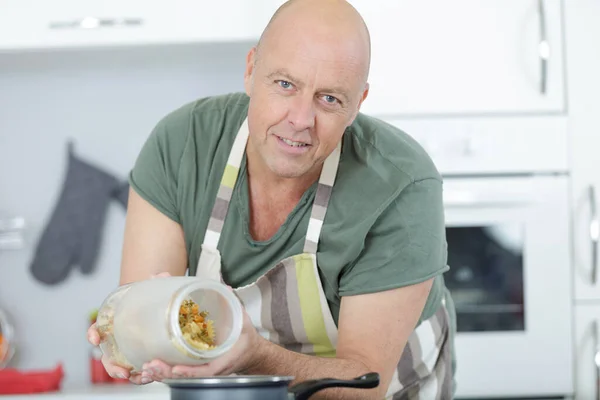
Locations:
column 230, row 175
column 319, row 207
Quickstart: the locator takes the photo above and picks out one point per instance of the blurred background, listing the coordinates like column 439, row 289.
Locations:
column 503, row 94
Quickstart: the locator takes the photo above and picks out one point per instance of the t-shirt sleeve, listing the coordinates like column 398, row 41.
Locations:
column 406, row 245
column 155, row 172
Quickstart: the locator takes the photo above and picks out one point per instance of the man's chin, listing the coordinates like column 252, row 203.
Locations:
column 289, row 171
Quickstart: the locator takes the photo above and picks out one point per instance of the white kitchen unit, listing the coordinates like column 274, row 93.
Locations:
column 35, row 24
column 434, row 57
column 582, row 35
column 510, row 273
column 583, row 60
column 587, row 350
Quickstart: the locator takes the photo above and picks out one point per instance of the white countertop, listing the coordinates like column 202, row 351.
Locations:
column 153, row 391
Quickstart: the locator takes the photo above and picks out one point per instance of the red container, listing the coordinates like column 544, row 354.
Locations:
column 13, row 381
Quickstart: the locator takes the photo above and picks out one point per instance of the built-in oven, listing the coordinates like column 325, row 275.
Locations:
column 509, row 278
column 507, row 224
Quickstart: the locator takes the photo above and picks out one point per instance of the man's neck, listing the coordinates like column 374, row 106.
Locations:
column 264, row 183
column 271, row 197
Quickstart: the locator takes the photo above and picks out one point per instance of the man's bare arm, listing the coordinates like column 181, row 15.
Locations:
column 153, row 243
column 373, row 331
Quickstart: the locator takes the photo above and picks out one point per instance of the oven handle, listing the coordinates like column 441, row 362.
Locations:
column 543, row 49
column 594, row 232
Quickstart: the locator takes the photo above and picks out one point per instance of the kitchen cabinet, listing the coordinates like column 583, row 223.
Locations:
column 429, row 57
column 587, row 346
column 36, row 24
column 432, row 57
column 583, row 63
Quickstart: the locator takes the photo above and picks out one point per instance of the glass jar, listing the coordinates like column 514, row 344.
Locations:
column 142, row 321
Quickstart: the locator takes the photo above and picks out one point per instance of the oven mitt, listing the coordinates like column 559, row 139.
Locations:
column 72, row 236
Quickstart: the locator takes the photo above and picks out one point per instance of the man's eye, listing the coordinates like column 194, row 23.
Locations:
column 285, row 84
column 330, row 99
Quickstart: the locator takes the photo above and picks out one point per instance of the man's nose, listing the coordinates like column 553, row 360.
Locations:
column 302, row 115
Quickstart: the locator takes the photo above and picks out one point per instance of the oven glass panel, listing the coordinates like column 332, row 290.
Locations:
column 486, row 276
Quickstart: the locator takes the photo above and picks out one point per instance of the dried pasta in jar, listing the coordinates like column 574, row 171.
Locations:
column 197, row 330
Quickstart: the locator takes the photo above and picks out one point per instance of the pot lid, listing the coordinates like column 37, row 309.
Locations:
column 229, row 381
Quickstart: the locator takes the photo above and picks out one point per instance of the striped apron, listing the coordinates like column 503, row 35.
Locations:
column 287, row 305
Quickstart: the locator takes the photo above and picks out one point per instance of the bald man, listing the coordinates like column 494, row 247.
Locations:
column 329, row 223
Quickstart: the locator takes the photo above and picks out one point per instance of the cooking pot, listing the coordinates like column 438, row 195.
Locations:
column 259, row 387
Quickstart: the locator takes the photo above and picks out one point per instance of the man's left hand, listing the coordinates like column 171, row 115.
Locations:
column 243, row 355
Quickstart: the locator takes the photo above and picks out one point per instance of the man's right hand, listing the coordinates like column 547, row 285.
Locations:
column 152, row 242
column 112, row 369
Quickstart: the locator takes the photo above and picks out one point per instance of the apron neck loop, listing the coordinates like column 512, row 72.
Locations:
column 229, row 179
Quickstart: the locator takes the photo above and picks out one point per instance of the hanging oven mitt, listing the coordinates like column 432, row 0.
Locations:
column 72, row 235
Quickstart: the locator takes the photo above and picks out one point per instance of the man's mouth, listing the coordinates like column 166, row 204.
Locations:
column 293, row 143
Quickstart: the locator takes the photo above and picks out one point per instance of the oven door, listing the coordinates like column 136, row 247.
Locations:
column 508, row 252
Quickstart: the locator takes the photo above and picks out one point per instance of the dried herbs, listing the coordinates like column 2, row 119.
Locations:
column 197, row 329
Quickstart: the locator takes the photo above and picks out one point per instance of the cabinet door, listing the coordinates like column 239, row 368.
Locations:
column 464, row 56
column 35, row 24
column 583, row 61
column 587, row 342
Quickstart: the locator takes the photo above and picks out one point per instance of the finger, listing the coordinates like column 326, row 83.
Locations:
column 138, row 379
column 114, row 370
column 93, row 336
column 183, row 371
column 158, row 370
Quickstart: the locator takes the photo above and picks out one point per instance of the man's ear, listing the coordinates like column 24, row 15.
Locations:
column 362, row 98
column 364, row 95
column 249, row 72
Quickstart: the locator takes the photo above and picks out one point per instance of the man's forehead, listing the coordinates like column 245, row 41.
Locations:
column 322, row 60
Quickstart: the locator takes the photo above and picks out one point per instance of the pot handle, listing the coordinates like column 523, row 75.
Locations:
column 303, row 390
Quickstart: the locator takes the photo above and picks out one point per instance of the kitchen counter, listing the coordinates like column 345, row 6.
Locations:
column 153, row 391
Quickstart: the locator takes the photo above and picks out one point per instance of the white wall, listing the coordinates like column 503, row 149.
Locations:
column 108, row 101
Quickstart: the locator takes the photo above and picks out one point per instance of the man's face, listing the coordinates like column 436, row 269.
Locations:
column 303, row 96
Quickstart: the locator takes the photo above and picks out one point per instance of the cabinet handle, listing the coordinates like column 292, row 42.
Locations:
column 543, row 48
column 96, row 23
column 594, row 233
column 597, row 357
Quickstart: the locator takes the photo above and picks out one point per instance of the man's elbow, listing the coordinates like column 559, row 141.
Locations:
column 363, row 367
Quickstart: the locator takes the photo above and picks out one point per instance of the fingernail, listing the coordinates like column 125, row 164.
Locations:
column 121, row 375
column 145, row 380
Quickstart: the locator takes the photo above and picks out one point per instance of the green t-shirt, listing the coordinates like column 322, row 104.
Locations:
column 384, row 227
